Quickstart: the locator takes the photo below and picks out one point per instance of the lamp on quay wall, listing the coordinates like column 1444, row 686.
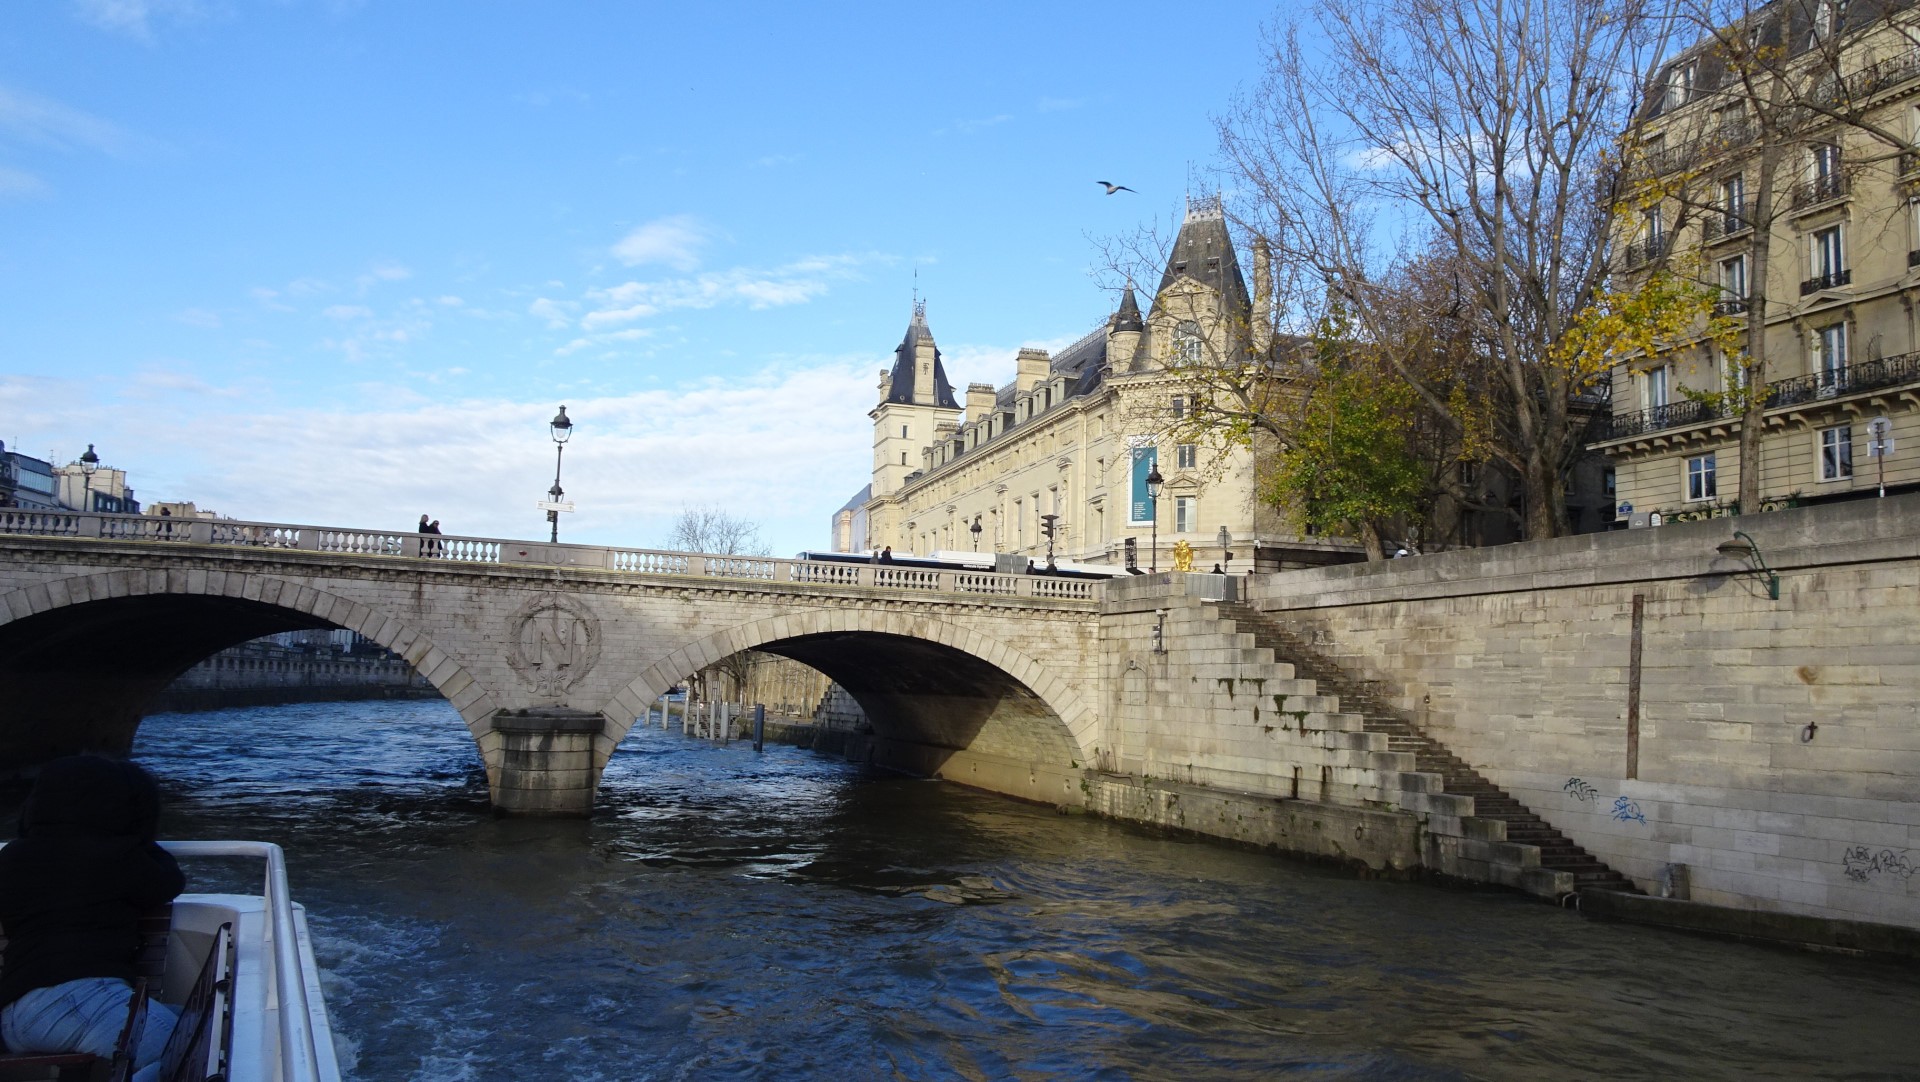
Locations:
column 1154, row 483
column 561, row 429
column 1741, row 547
column 89, row 462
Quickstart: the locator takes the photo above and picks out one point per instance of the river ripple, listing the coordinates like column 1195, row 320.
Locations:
column 729, row 915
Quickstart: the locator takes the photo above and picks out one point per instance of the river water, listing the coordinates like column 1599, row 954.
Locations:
column 732, row 915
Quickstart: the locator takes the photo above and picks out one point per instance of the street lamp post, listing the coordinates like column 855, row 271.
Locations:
column 561, row 429
column 89, row 462
column 1154, row 482
column 975, row 531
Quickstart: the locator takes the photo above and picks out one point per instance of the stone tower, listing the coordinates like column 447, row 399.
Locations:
column 915, row 399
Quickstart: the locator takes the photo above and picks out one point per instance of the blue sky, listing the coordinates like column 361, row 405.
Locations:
column 331, row 262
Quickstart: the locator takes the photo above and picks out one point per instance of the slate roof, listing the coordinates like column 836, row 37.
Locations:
column 1204, row 252
column 860, row 499
column 902, row 387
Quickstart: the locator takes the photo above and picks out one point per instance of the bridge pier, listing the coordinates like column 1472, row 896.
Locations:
column 544, row 761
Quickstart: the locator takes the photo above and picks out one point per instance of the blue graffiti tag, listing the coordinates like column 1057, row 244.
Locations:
column 1627, row 811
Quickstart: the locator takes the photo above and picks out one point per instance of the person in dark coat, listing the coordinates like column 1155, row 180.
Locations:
column 886, row 555
column 73, row 887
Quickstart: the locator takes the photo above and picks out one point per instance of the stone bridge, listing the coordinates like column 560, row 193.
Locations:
column 549, row 652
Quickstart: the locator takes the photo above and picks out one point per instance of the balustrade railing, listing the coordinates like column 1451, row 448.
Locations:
column 1818, row 190
column 1894, row 371
column 227, row 533
column 1719, row 222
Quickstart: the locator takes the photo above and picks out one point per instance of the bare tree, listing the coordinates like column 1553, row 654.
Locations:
column 709, row 528
column 1488, row 124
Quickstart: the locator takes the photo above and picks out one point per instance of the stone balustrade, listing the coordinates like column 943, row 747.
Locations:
column 409, row 545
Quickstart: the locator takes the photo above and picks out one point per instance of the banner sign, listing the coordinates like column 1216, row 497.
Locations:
column 1140, row 507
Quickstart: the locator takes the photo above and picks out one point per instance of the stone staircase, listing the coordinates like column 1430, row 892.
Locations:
column 1557, row 852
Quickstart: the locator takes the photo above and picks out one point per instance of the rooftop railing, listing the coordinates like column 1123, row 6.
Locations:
column 445, row 549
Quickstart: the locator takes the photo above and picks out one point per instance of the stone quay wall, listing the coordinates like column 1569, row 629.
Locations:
column 1777, row 752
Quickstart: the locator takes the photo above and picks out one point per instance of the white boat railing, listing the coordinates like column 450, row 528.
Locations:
column 299, row 1062
column 448, row 549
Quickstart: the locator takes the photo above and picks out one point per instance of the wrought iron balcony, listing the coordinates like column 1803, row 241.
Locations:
column 1895, row 371
column 1645, row 250
column 1671, row 415
column 1731, row 306
column 1818, row 190
column 1868, row 375
column 1725, row 222
column 1829, row 280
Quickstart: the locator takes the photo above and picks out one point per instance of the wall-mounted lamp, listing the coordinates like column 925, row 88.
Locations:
column 1742, row 547
column 1160, row 631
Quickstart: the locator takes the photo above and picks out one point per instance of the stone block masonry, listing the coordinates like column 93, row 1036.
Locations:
column 1776, row 748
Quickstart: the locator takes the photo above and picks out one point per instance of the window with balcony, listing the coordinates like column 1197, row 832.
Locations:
column 1913, row 231
column 1700, row 484
column 1186, row 514
column 1827, row 261
column 1733, row 286
column 1186, row 455
column 1655, row 386
column 1836, row 453
column 1825, row 177
column 1830, row 356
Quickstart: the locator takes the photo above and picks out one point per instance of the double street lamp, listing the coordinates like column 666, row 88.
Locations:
column 1154, row 483
column 561, row 429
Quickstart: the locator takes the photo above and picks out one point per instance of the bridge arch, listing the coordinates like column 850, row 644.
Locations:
column 932, row 689
column 81, row 656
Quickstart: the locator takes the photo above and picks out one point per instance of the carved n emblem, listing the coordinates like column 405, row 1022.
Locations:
column 555, row 640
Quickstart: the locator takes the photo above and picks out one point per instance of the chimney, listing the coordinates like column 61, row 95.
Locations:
column 979, row 402
column 1262, row 329
column 1034, row 366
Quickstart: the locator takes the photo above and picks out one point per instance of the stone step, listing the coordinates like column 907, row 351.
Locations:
column 1363, row 697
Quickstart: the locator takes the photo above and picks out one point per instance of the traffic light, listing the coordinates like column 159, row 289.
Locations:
column 1046, row 525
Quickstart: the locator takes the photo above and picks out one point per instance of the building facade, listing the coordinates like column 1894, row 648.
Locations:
column 1068, row 444
column 1824, row 194
column 27, row 482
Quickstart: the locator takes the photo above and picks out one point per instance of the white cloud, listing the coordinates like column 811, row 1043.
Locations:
column 556, row 313
column 478, row 464
column 674, row 241
column 28, row 118
column 347, row 312
column 1056, row 105
column 17, row 184
column 133, row 18
column 199, row 317
column 794, row 283
column 968, row 126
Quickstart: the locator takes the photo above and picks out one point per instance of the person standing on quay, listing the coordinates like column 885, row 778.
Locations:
column 434, row 529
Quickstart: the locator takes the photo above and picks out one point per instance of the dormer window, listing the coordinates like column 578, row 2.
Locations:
column 1186, row 342
column 1180, row 267
column 1680, row 82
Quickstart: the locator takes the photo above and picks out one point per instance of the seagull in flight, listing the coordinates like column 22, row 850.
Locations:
column 1112, row 188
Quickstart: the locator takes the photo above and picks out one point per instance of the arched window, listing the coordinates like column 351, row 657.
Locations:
column 1186, row 342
